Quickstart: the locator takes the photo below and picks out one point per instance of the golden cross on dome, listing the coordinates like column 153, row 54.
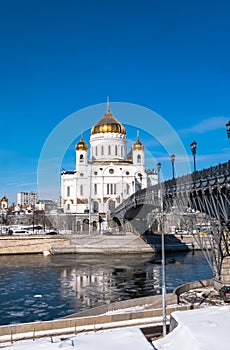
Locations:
column 108, row 104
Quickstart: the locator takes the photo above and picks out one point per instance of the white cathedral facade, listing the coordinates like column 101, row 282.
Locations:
column 107, row 175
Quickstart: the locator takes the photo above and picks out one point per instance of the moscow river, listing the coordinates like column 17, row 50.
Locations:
column 37, row 287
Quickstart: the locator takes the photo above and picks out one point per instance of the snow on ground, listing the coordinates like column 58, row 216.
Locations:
column 116, row 339
column 200, row 329
column 127, row 310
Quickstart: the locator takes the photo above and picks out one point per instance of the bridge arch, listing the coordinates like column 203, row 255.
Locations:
column 117, row 222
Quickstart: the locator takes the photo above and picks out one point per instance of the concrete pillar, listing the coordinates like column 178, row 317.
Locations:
column 225, row 270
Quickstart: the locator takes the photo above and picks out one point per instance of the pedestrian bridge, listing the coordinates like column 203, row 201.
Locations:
column 198, row 199
column 206, row 191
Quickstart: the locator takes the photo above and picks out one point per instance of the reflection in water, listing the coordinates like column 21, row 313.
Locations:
column 34, row 287
column 108, row 279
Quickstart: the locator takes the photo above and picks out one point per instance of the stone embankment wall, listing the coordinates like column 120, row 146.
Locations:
column 192, row 285
column 153, row 302
column 103, row 244
column 192, row 242
column 31, row 244
column 95, row 244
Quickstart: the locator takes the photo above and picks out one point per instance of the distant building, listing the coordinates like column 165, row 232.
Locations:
column 46, row 205
column 3, row 203
column 27, row 198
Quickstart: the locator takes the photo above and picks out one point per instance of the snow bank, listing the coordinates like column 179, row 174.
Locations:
column 200, row 329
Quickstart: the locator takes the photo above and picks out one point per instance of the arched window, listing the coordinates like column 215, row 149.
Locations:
column 109, row 150
column 96, row 150
column 81, row 158
column 116, row 150
column 138, row 158
column 81, row 190
column 95, row 207
column 127, row 189
column 111, row 205
column 68, row 191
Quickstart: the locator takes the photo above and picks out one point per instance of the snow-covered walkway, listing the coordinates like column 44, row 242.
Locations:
column 116, row 339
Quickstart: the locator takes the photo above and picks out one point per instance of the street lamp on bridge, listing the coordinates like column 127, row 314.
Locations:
column 172, row 157
column 193, row 149
column 158, row 171
column 228, row 129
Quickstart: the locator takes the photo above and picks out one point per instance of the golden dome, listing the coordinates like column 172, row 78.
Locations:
column 108, row 123
column 81, row 145
column 4, row 199
column 138, row 145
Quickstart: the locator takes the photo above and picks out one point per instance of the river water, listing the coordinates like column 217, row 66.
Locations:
column 37, row 287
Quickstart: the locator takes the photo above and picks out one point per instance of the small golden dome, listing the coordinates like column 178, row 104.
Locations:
column 81, row 145
column 138, row 145
column 108, row 123
column 4, row 199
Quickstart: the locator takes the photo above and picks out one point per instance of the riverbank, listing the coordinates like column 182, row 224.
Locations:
column 140, row 312
column 31, row 244
column 144, row 312
column 116, row 243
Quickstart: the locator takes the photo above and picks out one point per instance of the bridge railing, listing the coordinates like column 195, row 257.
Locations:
column 205, row 174
column 172, row 185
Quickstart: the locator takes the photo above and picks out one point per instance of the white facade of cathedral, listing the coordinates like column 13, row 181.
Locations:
column 109, row 175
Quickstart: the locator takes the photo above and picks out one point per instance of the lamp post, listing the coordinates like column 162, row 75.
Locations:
column 172, row 157
column 193, row 149
column 163, row 288
column 90, row 198
column 228, row 129
column 158, row 171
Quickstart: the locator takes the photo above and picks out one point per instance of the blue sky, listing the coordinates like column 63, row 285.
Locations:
column 58, row 57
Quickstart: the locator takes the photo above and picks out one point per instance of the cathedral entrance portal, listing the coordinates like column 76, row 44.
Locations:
column 86, row 225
